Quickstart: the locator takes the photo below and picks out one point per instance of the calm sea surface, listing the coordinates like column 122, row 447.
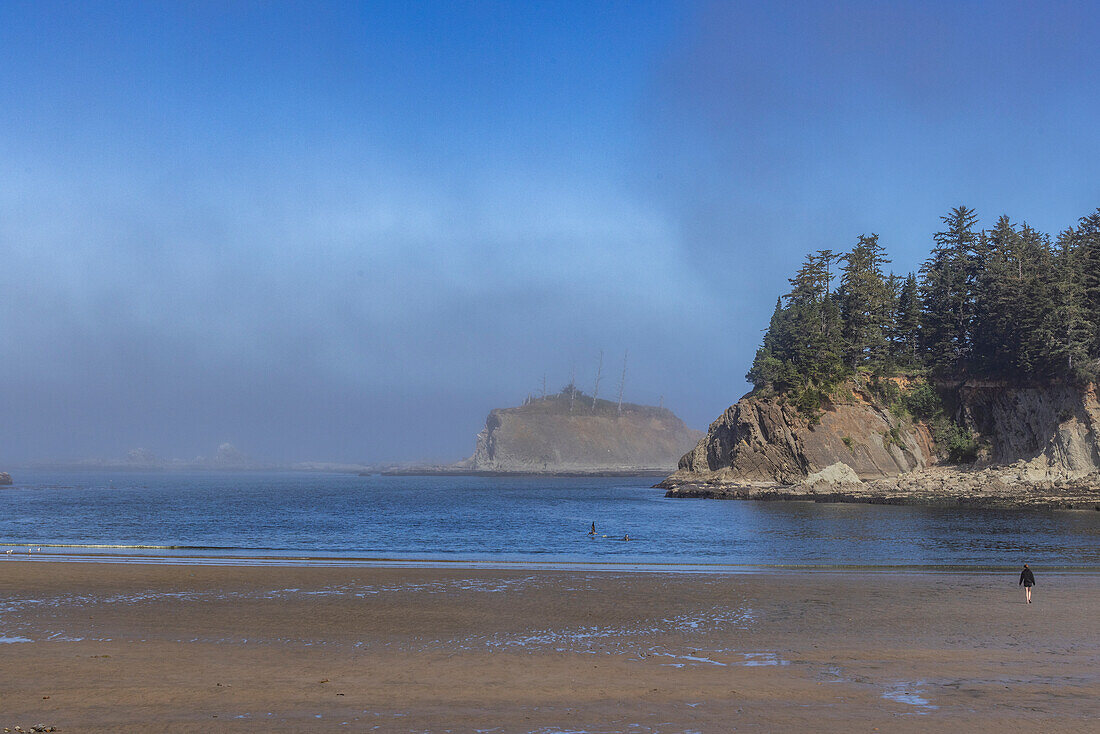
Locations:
column 509, row 519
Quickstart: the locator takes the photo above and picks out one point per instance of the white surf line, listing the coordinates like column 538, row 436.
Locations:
column 507, row 564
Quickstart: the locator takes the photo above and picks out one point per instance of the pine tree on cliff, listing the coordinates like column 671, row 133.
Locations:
column 947, row 292
column 814, row 324
column 906, row 323
column 801, row 346
column 1004, row 303
column 1035, row 296
column 889, row 320
column 865, row 304
column 769, row 367
column 1013, row 291
column 1068, row 318
column 1087, row 236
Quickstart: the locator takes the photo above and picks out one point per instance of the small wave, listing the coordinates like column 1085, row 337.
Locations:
column 339, row 556
column 115, row 546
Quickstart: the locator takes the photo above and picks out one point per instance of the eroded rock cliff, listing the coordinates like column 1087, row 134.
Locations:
column 1036, row 446
column 766, row 440
column 1052, row 432
column 567, row 433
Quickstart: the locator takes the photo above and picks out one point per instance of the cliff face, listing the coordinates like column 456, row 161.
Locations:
column 1038, row 446
column 560, row 434
column 763, row 440
column 1051, row 432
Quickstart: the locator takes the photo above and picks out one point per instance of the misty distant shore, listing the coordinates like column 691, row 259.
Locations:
column 227, row 458
column 451, row 472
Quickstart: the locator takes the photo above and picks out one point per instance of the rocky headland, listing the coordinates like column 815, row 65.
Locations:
column 1031, row 446
column 570, row 433
column 5, row 478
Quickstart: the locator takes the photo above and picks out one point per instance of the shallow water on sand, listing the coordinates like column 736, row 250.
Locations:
column 508, row 519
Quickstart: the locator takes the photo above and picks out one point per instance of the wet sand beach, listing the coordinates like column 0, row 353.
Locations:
column 89, row 647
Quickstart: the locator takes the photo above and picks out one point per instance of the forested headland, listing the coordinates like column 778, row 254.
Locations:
column 1008, row 303
column 970, row 383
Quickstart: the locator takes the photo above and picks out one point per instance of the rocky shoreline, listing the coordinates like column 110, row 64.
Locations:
column 1034, row 447
column 995, row 488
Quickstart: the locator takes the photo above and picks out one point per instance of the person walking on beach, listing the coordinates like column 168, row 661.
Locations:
column 1027, row 580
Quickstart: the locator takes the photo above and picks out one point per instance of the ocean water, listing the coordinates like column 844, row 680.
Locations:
column 508, row 520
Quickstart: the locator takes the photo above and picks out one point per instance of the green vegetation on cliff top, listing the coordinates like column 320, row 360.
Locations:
column 1007, row 304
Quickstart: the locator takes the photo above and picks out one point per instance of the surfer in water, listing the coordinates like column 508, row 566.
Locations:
column 592, row 532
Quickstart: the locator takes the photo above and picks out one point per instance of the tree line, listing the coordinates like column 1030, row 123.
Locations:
column 1008, row 303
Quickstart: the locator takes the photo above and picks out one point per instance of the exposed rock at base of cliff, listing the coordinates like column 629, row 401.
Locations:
column 1039, row 447
column 765, row 439
column 572, row 433
column 991, row 487
column 832, row 477
column 1049, row 433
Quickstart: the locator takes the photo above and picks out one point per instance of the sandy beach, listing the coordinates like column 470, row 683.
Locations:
column 92, row 647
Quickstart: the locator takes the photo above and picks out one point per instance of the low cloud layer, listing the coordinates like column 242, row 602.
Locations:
column 347, row 235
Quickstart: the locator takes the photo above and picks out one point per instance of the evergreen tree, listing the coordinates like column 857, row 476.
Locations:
column 772, row 367
column 1005, row 304
column 948, row 277
column 800, row 347
column 995, row 338
column 1069, row 319
column 814, row 323
column 1087, row 238
column 1032, row 299
column 907, row 316
column 865, row 304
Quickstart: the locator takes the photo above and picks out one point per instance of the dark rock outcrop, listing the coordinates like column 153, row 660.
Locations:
column 5, row 478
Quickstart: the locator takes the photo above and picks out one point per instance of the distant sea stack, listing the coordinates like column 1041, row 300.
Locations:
column 571, row 433
column 5, row 478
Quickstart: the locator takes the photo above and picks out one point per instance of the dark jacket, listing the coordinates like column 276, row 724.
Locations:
column 1027, row 578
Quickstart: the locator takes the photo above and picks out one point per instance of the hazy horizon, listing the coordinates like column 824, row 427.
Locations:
column 336, row 232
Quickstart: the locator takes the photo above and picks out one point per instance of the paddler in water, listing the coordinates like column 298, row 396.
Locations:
column 592, row 532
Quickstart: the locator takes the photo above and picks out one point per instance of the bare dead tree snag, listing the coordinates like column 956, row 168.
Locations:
column 572, row 385
column 622, row 381
column 599, row 376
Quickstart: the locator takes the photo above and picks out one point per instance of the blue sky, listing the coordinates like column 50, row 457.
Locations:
column 347, row 231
